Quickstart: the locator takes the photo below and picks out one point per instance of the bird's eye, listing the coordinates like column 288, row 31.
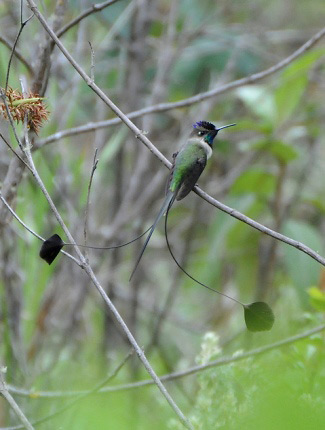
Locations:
column 201, row 133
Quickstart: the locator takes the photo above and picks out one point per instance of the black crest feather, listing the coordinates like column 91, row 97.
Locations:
column 204, row 124
column 50, row 248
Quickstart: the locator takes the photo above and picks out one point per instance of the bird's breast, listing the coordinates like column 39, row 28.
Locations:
column 207, row 148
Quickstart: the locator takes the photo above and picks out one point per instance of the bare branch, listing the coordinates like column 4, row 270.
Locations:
column 236, row 214
column 175, row 375
column 5, row 393
column 18, row 54
column 92, row 65
column 94, row 167
column 138, row 133
column 163, row 107
column 82, row 395
column 22, row 25
column 14, row 214
column 13, row 150
column 93, row 9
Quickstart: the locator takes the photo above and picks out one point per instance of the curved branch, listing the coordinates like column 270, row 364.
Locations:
column 249, row 221
column 93, row 9
column 163, row 107
column 175, row 375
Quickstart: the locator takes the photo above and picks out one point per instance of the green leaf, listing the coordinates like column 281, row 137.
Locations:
column 157, row 28
column 288, row 96
column 303, row 64
column 293, row 82
column 254, row 181
column 111, row 147
column 317, row 298
column 253, row 125
column 318, row 203
column 283, row 152
column 259, row 100
column 258, row 316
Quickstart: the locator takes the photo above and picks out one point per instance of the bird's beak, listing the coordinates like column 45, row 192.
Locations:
column 224, row 126
column 213, row 133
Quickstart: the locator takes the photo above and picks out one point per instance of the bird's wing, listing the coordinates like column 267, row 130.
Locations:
column 190, row 178
column 170, row 177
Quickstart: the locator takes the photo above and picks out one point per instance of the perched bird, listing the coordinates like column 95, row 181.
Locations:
column 188, row 164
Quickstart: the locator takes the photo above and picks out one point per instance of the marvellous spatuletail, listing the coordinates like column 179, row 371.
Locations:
column 188, row 164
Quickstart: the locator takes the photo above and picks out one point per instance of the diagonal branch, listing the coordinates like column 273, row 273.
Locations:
column 163, row 107
column 141, row 136
column 14, row 214
column 5, row 393
column 262, row 228
column 84, row 262
column 17, row 54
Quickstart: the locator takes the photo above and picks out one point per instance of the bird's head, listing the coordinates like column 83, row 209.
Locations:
column 206, row 131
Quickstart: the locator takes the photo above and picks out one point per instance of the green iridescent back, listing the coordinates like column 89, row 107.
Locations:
column 186, row 165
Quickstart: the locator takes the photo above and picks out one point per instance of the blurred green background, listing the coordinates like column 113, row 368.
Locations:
column 55, row 331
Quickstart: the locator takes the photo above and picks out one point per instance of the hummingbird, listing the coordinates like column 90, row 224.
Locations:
column 187, row 165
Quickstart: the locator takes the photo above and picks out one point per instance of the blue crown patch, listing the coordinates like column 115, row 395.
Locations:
column 204, row 124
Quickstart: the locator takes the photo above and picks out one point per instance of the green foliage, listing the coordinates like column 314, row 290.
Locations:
column 283, row 152
column 302, row 270
column 278, row 390
column 254, row 181
column 260, row 101
column 317, row 298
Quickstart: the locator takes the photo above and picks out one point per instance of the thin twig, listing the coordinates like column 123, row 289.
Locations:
column 92, row 64
column 236, row 214
column 13, row 150
column 81, row 396
column 163, row 107
column 3, row 96
column 22, row 25
column 93, row 9
column 138, row 133
column 222, row 361
column 94, row 167
column 14, row 214
column 17, row 54
column 5, row 393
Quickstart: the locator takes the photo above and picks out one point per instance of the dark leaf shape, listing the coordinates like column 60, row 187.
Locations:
column 50, row 248
column 258, row 316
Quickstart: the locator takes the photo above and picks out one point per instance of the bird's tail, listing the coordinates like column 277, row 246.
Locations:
column 169, row 200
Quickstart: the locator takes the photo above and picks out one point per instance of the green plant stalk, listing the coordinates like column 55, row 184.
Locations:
column 25, row 101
